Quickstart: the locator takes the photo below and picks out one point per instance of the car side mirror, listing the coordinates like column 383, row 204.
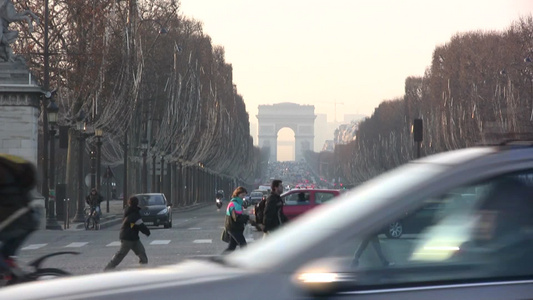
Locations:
column 326, row 276
column 169, row 203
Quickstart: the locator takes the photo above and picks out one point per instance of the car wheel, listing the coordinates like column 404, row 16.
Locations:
column 395, row 230
column 168, row 223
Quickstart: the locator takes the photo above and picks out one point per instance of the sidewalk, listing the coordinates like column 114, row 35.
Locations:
column 116, row 211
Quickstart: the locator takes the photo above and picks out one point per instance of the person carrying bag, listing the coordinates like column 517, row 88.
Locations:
column 235, row 221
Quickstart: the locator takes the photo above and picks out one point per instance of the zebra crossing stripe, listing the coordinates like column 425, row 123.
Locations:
column 113, row 244
column 33, row 246
column 160, row 242
column 205, row 241
column 195, row 228
column 76, row 245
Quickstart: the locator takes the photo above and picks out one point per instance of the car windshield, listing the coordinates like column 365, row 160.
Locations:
column 152, row 200
column 299, row 236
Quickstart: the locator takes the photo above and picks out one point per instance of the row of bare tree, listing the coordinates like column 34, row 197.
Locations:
column 145, row 74
column 478, row 90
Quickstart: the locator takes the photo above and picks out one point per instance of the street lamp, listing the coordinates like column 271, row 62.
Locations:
column 98, row 133
column 51, row 222
column 93, row 167
column 81, row 126
column 161, row 177
column 154, row 157
column 144, row 177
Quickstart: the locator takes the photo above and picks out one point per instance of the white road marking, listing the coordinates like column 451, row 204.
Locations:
column 195, row 228
column 113, row 244
column 160, row 242
column 33, row 246
column 76, row 245
column 206, row 241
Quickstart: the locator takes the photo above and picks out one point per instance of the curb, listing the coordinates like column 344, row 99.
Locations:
column 113, row 219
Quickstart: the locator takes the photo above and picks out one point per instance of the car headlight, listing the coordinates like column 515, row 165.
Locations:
column 164, row 211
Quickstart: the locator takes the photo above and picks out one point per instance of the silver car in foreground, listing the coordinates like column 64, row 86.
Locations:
column 476, row 243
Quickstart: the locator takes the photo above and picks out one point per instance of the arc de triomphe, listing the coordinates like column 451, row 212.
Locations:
column 299, row 118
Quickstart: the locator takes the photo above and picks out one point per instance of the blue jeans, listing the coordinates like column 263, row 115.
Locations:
column 95, row 211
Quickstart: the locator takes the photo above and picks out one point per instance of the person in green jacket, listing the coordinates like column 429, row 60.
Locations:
column 236, row 219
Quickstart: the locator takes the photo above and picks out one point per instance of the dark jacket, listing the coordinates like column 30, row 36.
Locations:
column 94, row 200
column 132, row 224
column 235, row 218
column 273, row 214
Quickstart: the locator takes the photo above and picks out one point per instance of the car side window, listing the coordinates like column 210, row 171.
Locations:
column 322, row 197
column 482, row 231
column 299, row 198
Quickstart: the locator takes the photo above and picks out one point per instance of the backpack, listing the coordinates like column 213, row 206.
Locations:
column 260, row 210
column 17, row 179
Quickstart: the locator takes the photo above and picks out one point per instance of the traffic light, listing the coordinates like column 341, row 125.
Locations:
column 417, row 130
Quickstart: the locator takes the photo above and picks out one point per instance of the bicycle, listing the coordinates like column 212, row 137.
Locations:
column 13, row 274
column 92, row 218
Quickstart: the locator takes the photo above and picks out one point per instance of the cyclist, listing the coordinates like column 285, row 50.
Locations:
column 93, row 200
column 17, row 219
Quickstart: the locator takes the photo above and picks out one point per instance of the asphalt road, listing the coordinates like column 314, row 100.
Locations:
column 195, row 233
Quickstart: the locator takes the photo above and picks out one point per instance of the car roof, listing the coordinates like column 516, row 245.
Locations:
column 149, row 194
column 310, row 190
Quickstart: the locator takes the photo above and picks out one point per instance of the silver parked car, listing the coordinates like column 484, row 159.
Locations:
column 476, row 245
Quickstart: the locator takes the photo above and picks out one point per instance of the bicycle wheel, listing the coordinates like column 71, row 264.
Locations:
column 47, row 273
column 39, row 274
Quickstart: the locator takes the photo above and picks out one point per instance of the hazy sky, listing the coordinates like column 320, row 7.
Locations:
column 358, row 53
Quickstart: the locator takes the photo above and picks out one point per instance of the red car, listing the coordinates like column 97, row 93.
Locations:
column 299, row 201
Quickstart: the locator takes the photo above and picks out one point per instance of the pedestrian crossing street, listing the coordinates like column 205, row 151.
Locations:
column 117, row 243
column 249, row 238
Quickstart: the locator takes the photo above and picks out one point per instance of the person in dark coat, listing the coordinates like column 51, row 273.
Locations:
column 236, row 220
column 273, row 216
column 129, row 235
column 93, row 200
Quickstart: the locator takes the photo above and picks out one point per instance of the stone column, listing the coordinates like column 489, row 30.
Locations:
column 20, row 97
column 19, row 111
column 19, row 116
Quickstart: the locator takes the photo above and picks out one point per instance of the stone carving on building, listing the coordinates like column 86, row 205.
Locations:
column 8, row 14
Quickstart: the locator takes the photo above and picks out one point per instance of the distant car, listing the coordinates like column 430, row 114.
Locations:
column 413, row 223
column 155, row 209
column 256, row 196
column 299, row 201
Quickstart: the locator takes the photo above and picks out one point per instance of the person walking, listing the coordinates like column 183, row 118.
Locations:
column 377, row 246
column 273, row 216
column 236, row 220
column 129, row 235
